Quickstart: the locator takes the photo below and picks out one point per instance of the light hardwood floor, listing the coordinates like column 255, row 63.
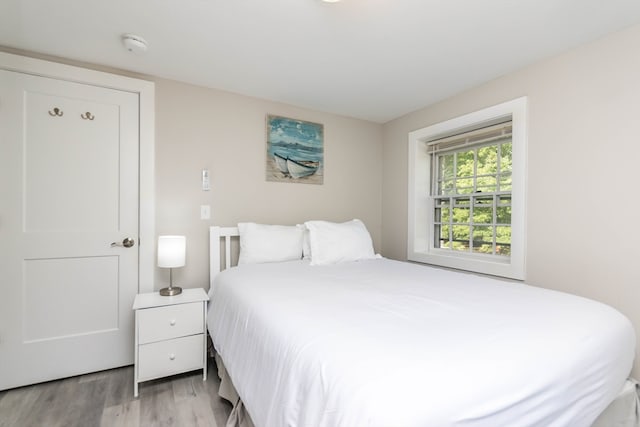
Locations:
column 106, row 399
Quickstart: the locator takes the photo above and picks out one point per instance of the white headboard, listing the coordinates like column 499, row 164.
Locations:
column 215, row 234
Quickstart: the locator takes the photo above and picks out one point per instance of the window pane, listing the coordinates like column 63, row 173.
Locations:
column 503, row 215
column 503, row 240
column 504, row 199
column 446, row 166
column 482, row 215
column 464, row 185
column 483, row 239
column 444, row 215
column 465, row 165
column 461, row 214
column 461, row 234
column 488, row 160
column 505, row 182
column 446, row 187
column 486, row 184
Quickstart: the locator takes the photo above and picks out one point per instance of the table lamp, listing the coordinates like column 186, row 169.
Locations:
column 171, row 254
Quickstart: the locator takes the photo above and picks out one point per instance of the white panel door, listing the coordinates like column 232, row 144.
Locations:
column 68, row 189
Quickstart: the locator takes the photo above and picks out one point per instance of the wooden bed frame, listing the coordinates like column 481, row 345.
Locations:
column 215, row 255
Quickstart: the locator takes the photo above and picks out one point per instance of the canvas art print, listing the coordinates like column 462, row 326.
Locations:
column 295, row 150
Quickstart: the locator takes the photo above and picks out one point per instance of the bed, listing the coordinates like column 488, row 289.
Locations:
column 377, row 342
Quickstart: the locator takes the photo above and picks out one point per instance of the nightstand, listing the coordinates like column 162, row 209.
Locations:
column 170, row 335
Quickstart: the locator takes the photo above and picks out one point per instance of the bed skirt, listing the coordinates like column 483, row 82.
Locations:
column 624, row 411
column 239, row 417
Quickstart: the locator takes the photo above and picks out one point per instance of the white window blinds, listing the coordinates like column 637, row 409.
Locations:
column 485, row 135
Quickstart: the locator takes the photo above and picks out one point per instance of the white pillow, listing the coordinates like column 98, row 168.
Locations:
column 333, row 242
column 269, row 243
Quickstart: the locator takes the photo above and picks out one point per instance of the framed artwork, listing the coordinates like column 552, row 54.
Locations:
column 295, row 151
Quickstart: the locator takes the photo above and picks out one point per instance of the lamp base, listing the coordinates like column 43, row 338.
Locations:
column 171, row 291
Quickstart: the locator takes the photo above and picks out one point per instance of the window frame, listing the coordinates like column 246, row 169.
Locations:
column 420, row 232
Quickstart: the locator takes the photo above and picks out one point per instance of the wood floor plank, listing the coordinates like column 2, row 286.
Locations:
column 16, row 402
column 120, row 389
column 158, row 408
column 86, row 403
column 123, row 415
column 196, row 412
column 64, row 395
column 42, row 412
column 183, row 388
column 106, row 399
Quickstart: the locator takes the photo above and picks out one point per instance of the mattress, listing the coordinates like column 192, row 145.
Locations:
column 310, row 346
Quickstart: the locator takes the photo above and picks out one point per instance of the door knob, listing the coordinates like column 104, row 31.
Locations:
column 127, row 243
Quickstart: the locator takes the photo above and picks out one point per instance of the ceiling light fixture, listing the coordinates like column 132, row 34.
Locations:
column 331, row 1
column 135, row 44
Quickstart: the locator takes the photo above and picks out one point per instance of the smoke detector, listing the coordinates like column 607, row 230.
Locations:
column 135, row 44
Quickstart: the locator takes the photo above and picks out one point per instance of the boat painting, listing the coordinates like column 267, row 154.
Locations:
column 295, row 168
column 295, row 151
column 281, row 163
column 301, row 168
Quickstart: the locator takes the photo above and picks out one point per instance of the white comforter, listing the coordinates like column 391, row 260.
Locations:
column 386, row 343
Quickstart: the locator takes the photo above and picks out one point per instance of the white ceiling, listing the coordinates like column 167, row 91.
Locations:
column 370, row 59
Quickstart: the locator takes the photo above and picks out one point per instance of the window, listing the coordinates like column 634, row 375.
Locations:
column 466, row 183
column 471, row 191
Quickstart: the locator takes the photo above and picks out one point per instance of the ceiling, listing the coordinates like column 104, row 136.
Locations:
column 370, row 59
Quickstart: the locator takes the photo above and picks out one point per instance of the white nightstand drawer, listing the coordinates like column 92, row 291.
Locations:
column 168, row 322
column 170, row 335
column 170, row 357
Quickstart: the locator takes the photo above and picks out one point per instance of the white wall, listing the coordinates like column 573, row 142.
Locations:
column 200, row 128
column 583, row 169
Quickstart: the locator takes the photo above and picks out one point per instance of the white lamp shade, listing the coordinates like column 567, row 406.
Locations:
column 171, row 251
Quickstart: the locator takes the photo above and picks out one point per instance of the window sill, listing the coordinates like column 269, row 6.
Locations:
column 476, row 263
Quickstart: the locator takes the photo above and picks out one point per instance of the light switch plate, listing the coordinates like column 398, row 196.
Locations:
column 206, row 181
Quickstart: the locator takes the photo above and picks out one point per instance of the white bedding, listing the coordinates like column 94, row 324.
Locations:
column 314, row 346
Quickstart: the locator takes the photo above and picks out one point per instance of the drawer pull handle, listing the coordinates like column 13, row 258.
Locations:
column 172, row 356
column 172, row 322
